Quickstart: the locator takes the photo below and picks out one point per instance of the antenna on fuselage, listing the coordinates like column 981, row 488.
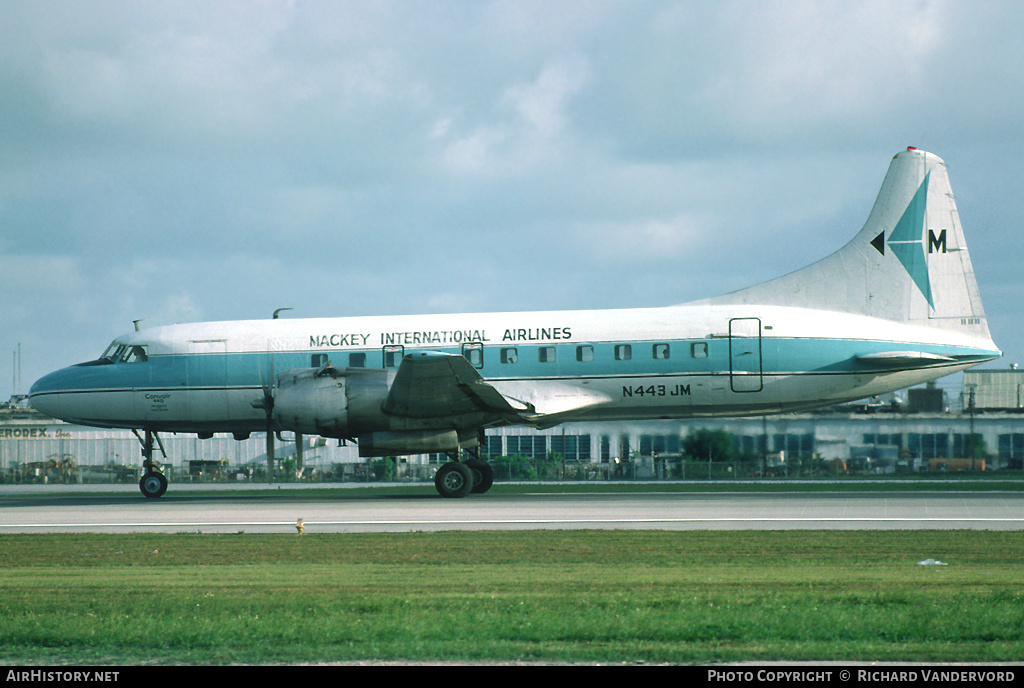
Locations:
column 136, row 323
column 278, row 312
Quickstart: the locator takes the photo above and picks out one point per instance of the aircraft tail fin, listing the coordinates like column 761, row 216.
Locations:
column 909, row 263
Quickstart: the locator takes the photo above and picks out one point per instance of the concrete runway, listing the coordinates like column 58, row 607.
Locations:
column 33, row 509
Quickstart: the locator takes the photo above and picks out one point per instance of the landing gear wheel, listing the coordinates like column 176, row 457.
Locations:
column 153, row 484
column 483, row 475
column 454, row 479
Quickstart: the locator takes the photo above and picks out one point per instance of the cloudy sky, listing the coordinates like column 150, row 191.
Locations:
column 180, row 161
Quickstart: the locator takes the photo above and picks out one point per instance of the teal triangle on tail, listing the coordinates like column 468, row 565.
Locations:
column 907, row 241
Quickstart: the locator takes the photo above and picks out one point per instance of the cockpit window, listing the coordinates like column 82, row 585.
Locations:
column 120, row 353
column 135, row 354
column 123, row 353
column 111, row 354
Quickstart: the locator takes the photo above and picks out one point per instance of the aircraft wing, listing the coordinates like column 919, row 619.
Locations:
column 432, row 385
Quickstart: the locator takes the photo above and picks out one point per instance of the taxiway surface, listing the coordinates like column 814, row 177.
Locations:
column 184, row 510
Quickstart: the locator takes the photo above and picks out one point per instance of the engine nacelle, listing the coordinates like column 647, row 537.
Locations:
column 332, row 402
column 346, row 403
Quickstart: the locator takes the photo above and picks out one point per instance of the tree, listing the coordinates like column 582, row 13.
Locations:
column 702, row 443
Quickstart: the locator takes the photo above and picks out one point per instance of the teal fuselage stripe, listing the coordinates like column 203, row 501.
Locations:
column 769, row 356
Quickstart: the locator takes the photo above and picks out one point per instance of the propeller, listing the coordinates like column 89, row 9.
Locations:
column 267, row 404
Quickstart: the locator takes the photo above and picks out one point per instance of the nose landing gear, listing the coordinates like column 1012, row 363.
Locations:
column 153, row 483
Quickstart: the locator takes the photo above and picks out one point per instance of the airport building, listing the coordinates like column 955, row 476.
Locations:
column 924, row 429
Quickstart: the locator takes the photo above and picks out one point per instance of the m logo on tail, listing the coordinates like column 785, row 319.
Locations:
column 936, row 244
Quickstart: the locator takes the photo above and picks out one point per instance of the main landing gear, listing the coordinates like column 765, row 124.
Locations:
column 153, row 483
column 460, row 478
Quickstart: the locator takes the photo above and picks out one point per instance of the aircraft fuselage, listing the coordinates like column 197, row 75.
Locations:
column 675, row 362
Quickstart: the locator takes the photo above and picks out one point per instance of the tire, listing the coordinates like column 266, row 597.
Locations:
column 454, row 480
column 483, row 475
column 153, row 484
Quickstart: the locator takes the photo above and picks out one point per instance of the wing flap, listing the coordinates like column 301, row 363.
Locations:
column 551, row 402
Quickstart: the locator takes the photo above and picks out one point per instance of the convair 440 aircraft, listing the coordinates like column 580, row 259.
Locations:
column 895, row 307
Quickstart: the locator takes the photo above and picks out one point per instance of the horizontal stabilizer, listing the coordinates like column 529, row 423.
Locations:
column 904, row 358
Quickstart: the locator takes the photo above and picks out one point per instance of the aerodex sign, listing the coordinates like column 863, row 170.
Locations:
column 32, row 432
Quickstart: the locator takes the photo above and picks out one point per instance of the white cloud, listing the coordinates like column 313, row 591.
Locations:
column 527, row 128
column 639, row 242
column 542, row 103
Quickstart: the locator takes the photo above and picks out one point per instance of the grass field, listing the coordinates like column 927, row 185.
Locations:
column 583, row 596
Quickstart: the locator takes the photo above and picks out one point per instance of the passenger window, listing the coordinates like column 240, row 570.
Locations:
column 660, row 351
column 357, row 359
column 546, row 354
column 623, row 352
column 474, row 353
column 393, row 355
column 584, row 353
column 699, row 350
column 510, row 355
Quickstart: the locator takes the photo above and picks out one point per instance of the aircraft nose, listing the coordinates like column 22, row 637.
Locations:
column 44, row 395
